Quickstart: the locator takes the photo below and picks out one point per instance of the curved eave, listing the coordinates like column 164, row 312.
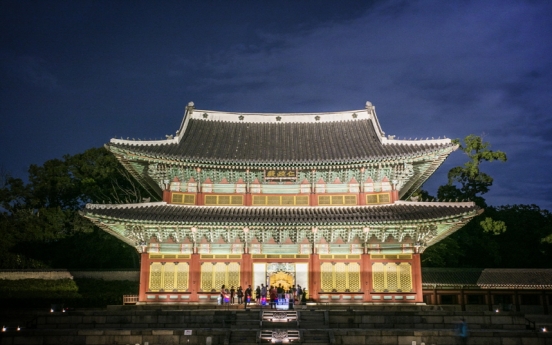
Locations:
column 455, row 224
column 105, row 227
column 456, row 221
column 127, row 154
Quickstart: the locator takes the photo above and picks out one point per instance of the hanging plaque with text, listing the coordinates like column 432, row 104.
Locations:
column 280, row 175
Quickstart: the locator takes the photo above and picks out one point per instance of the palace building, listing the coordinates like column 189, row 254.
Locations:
column 310, row 199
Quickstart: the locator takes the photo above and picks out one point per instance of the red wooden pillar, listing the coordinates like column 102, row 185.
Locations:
column 195, row 277
column 366, row 276
column 167, row 196
column 417, row 277
column 246, row 275
column 314, row 276
column 144, row 276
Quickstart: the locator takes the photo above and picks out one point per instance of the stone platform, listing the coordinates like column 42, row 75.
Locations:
column 318, row 324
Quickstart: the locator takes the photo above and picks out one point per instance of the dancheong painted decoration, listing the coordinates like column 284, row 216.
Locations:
column 314, row 199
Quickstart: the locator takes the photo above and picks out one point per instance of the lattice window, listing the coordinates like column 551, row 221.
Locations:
column 168, row 277
column 207, row 276
column 180, row 198
column 220, row 274
column 392, row 277
column 182, row 271
column 224, row 200
column 354, row 277
column 405, row 276
column 302, row 200
column 378, row 198
column 156, row 269
column 233, row 274
column 340, row 277
column 216, row 274
column 327, row 279
column 378, row 276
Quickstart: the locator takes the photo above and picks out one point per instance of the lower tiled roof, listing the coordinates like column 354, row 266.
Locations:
column 450, row 276
column 511, row 277
column 488, row 278
column 321, row 215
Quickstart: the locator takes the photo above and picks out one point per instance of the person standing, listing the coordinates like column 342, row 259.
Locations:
column 258, row 295
column 232, row 293
column 240, row 295
column 263, row 294
column 247, row 296
column 273, row 297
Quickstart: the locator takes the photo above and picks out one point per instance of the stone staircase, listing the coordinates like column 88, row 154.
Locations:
column 318, row 325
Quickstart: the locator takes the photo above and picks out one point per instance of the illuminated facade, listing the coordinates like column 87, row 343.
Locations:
column 312, row 199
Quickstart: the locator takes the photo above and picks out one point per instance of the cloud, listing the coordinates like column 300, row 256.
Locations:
column 30, row 69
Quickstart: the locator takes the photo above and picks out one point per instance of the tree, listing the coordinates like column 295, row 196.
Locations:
column 39, row 220
column 468, row 182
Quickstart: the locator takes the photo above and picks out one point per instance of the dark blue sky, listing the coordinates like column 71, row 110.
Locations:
column 74, row 74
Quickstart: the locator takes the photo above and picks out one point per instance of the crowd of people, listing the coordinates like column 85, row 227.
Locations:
column 263, row 295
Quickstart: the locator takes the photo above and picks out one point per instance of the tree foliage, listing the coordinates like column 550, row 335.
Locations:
column 468, row 182
column 39, row 219
column 506, row 236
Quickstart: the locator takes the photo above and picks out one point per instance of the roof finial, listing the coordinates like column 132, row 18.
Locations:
column 368, row 104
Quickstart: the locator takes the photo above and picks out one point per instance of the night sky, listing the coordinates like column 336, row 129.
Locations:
column 74, row 74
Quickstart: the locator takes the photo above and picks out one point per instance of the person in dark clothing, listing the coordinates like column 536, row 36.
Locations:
column 247, row 296
column 240, row 295
column 258, row 295
column 232, row 293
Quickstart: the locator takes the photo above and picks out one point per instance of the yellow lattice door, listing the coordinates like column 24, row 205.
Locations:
column 326, row 275
column 206, row 276
column 378, row 276
column 214, row 275
column 182, row 271
column 233, row 274
column 392, row 277
column 354, row 277
column 340, row 276
column 405, row 276
column 168, row 276
column 155, row 276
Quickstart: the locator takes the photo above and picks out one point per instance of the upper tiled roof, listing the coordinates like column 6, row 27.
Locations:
column 162, row 213
column 299, row 139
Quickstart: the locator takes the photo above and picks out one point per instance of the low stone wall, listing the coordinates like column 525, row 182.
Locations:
column 108, row 275
column 65, row 274
column 35, row 274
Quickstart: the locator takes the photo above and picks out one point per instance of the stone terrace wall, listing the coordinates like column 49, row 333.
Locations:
column 35, row 274
column 65, row 274
column 108, row 275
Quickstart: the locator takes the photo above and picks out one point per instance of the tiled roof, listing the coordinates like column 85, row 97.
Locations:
column 163, row 213
column 487, row 278
column 308, row 143
column 450, row 276
column 511, row 277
